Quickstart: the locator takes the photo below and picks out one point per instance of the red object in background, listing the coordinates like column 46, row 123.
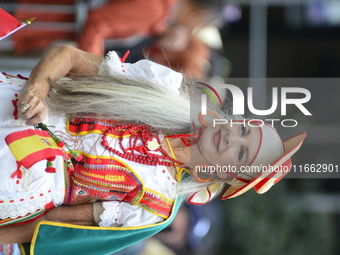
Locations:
column 39, row 39
column 8, row 24
column 120, row 19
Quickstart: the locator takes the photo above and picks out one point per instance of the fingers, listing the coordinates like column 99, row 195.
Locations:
column 23, row 106
column 31, row 108
column 36, row 118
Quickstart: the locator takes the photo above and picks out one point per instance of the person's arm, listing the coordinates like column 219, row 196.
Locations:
column 56, row 63
column 78, row 215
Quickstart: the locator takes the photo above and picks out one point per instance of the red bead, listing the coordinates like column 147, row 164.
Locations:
column 137, row 133
column 61, row 144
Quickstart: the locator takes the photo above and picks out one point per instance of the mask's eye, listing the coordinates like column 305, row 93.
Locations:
column 240, row 153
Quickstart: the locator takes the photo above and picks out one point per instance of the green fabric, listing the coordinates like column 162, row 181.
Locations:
column 56, row 240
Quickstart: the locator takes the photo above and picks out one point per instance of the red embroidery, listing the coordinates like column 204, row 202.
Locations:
column 92, row 182
column 22, row 77
column 157, row 204
column 125, row 56
column 18, row 172
column 15, row 112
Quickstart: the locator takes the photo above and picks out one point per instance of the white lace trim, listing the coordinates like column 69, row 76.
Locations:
column 21, row 207
column 111, row 214
column 26, row 178
column 17, row 122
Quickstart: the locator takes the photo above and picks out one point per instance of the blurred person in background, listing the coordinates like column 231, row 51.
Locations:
column 167, row 31
column 117, row 19
column 164, row 30
column 179, row 47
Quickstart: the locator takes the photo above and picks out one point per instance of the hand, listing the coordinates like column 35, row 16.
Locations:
column 56, row 63
column 31, row 105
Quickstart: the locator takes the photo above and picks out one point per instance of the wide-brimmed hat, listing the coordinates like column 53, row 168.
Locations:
column 272, row 160
column 272, row 173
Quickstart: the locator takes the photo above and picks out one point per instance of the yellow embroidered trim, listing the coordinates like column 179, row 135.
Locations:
column 89, row 132
column 179, row 170
column 159, row 194
column 112, row 178
column 22, row 249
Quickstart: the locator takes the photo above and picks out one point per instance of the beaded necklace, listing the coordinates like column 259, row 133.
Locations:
column 150, row 143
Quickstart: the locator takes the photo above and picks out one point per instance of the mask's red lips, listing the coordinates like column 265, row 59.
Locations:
column 217, row 139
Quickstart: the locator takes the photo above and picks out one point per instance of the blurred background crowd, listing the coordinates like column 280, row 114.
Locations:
column 283, row 40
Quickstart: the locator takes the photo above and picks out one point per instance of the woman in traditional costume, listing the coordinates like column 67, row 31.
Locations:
column 119, row 146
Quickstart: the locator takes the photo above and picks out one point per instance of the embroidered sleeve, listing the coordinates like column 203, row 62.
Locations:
column 120, row 214
column 153, row 72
